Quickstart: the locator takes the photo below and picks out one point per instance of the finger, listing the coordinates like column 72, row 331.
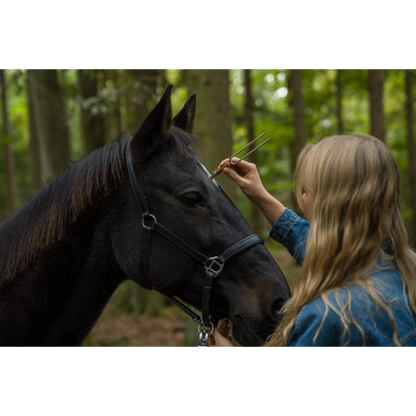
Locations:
column 224, row 162
column 244, row 169
column 211, row 338
column 232, row 174
column 244, row 165
column 212, row 344
column 224, row 328
column 224, row 324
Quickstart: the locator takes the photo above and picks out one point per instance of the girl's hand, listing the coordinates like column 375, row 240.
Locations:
column 220, row 337
column 248, row 179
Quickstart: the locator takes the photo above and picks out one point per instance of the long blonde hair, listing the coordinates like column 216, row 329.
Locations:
column 355, row 221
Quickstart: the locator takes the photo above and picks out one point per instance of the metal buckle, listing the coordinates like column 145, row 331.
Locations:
column 149, row 227
column 214, row 262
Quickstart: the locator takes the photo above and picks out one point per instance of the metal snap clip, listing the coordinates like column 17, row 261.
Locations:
column 204, row 334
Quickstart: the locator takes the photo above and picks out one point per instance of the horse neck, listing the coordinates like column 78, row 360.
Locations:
column 51, row 215
column 73, row 272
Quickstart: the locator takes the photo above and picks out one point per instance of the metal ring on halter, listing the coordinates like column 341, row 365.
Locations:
column 147, row 227
column 212, row 327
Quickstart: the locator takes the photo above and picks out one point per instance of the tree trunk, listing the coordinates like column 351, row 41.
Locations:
column 339, row 103
column 92, row 120
column 255, row 213
column 213, row 119
column 106, row 116
column 116, row 112
column 50, row 121
column 11, row 187
column 411, row 151
column 143, row 101
column 375, row 85
column 298, row 107
column 36, row 174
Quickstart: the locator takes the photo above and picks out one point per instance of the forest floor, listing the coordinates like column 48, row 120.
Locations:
column 149, row 331
column 169, row 329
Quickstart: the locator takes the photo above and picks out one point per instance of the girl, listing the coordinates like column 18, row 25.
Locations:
column 357, row 285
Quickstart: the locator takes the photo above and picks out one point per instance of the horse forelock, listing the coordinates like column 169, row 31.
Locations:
column 181, row 141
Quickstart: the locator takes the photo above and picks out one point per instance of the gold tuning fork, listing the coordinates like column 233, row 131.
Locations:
column 231, row 163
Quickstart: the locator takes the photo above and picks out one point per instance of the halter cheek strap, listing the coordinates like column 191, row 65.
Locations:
column 213, row 265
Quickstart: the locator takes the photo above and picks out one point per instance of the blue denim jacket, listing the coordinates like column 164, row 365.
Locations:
column 292, row 231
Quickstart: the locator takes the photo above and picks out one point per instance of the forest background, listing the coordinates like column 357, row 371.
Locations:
column 52, row 117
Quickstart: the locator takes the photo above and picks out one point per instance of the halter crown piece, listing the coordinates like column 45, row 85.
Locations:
column 213, row 265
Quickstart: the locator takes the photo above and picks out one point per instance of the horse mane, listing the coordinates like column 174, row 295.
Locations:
column 45, row 218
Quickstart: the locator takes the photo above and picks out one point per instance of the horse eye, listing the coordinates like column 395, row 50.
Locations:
column 191, row 199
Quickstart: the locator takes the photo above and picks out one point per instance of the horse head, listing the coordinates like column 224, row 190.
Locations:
column 175, row 182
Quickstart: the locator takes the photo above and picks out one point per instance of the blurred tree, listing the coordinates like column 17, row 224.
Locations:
column 375, row 86
column 411, row 151
column 142, row 96
column 103, row 76
column 10, row 175
column 213, row 118
column 116, row 107
column 298, row 107
column 50, row 121
column 92, row 115
column 256, row 216
column 340, row 126
column 36, row 173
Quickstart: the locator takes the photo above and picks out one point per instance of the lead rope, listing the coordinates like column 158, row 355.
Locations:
column 203, row 333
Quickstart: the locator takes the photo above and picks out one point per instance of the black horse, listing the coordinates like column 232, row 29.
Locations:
column 67, row 249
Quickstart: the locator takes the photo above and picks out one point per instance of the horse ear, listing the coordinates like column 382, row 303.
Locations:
column 185, row 118
column 154, row 130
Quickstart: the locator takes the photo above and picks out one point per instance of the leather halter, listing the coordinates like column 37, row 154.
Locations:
column 213, row 265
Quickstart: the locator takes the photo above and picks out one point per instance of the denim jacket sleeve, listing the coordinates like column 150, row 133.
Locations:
column 292, row 231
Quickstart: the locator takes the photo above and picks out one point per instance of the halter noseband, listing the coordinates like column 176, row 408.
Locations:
column 213, row 265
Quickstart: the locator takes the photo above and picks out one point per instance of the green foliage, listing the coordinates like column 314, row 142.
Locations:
column 272, row 113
